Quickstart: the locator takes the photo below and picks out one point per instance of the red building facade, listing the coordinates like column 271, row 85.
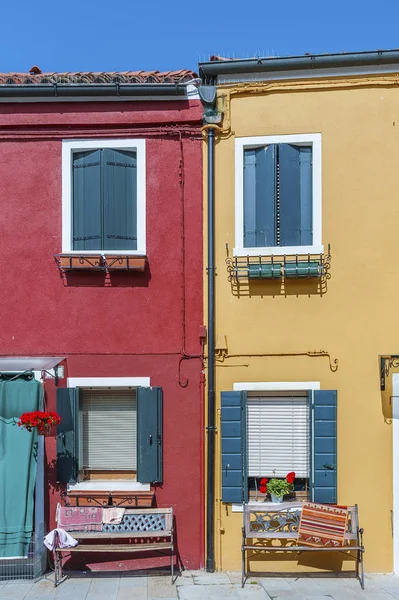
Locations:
column 115, row 300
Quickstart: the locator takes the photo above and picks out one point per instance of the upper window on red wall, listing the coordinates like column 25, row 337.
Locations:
column 103, row 197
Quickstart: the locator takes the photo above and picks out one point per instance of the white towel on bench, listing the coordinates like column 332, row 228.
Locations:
column 113, row 515
column 65, row 540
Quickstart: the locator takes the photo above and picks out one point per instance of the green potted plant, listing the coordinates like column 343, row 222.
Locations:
column 278, row 488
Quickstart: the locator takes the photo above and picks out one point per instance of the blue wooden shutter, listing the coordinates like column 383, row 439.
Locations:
column 149, row 435
column 68, row 435
column 260, row 197
column 295, row 195
column 86, row 204
column 120, row 199
column 306, row 193
column 323, row 457
column 234, row 451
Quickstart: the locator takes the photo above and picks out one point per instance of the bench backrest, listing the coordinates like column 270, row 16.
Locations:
column 283, row 522
column 158, row 521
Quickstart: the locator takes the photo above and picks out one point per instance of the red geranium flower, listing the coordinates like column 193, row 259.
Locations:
column 42, row 420
column 263, row 485
column 290, row 477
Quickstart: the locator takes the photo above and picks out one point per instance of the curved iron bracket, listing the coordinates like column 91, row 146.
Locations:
column 386, row 364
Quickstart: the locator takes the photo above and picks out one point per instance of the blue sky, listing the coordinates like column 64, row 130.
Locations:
column 122, row 35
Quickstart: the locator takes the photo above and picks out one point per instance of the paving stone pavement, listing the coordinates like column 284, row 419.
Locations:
column 198, row 585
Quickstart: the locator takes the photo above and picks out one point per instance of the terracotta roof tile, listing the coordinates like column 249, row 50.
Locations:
column 216, row 58
column 139, row 77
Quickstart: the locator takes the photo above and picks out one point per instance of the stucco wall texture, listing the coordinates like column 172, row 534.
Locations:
column 127, row 324
column 353, row 319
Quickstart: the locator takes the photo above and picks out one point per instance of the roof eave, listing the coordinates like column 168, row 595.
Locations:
column 111, row 90
column 212, row 69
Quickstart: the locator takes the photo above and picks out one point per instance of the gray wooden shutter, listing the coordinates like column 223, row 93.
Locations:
column 234, row 451
column 323, row 457
column 149, row 435
column 68, row 435
column 260, row 197
column 86, row 205
column 295, row 195
column 120, row 199
column 306, row 192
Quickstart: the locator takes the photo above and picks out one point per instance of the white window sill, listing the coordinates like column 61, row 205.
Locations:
column 141, row 252
column 110, row 485
column 279, row 251
column 291, row 506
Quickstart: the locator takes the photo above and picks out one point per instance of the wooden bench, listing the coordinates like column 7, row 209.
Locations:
column 265, row 523
column 141, row 530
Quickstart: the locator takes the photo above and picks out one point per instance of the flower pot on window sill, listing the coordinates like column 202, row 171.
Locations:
column 276, row 499
column 133, row 499
column 75, row 262
column 125, row 263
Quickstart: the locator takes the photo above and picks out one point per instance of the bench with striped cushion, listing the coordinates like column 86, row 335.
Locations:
column 266, row 522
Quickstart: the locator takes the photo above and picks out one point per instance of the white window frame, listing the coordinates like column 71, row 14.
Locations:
column 271, row 386
column 308, row 139
column 112, row 382
column 71, row 146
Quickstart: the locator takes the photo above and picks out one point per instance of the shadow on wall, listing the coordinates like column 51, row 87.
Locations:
column 278, row 287
column 106, row 278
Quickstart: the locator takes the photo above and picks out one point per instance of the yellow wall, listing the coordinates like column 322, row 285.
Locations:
column 354, row 320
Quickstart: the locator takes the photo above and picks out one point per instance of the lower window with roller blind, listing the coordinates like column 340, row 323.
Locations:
column 269, row 434
column 277, row 440
column 108, row 433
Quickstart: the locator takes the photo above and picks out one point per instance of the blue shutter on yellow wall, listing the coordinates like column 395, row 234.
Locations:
column 295, row 195
column 119, row 199
column 149, row 435
column 234, row 452
column 86, row 205
column 68, row 435
column 323, row 447
column 260, row 197
column 306, row 193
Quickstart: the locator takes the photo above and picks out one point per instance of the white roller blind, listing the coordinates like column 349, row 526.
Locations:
column 278, row 436
column 109, row 429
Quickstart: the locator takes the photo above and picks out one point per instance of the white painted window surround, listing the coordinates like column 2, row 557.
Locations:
column 71, row 146
column 108, row 382
column 110, row 485
column 275, row 386
column 310, row 139
column 272, row 386
column 113, row 382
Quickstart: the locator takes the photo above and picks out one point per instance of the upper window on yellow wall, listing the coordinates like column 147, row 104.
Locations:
column 278, row 195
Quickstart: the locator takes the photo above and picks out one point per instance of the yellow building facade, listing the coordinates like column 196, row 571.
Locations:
column 309, row 306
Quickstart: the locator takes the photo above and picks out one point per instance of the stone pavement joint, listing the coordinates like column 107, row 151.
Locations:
column 199, row 585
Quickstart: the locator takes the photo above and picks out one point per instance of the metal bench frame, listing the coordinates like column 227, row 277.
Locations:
column 146, row 540
column 281, row 522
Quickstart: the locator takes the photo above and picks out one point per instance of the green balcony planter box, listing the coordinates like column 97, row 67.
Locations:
column 302, row 269
column 264, row 271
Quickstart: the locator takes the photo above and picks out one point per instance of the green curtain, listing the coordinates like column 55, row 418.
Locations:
column 18, row 455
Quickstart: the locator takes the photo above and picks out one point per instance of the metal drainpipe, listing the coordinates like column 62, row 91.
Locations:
column 210, row 510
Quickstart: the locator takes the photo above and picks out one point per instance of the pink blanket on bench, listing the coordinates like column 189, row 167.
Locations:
column 80, row 518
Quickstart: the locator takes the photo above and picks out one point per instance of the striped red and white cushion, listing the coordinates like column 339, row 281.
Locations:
column 322, row 525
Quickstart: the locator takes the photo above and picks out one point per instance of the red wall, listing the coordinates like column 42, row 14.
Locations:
column 126, row 325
